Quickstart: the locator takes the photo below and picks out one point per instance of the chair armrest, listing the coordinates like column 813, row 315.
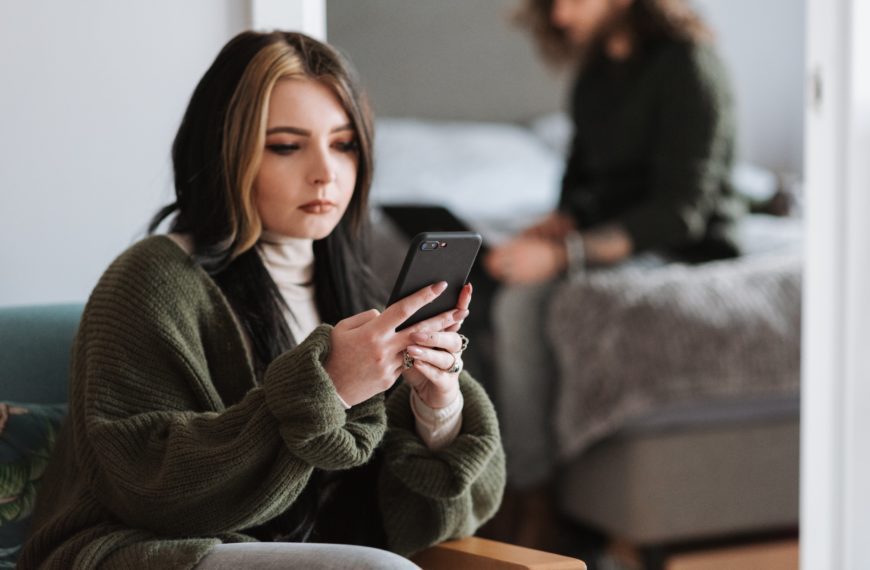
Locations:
column 479, row 553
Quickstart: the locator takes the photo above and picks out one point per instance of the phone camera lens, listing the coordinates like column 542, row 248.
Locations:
column 443, row 244
column 429, row 245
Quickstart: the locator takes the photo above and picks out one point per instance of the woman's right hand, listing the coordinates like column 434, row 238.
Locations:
column 366, row 355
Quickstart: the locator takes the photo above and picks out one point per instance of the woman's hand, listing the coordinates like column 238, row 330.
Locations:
column 526, row 260
column 554, row 227
column 366, row 355
column 435, row 351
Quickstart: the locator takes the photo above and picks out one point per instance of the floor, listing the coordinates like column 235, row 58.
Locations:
column 778, row 551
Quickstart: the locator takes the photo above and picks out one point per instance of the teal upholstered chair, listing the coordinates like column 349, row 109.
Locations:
column 35, row 347
column 34, row 352
column 35, row 344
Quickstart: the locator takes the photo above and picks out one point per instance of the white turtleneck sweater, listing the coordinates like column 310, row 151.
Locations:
column 290, row 263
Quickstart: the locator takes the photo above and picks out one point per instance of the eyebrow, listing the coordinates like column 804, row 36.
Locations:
column 305, row 132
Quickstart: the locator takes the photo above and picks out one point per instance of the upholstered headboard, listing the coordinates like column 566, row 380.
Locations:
column 444, row 59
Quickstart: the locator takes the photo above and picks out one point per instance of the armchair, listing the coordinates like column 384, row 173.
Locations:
column 34, row 360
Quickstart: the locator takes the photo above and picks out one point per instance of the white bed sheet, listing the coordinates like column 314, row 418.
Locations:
column 494, row 175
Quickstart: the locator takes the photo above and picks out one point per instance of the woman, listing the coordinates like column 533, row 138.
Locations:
column 231, row 382
column 647, row 181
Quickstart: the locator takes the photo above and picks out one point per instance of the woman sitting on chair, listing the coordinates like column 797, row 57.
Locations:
column 231, row 382
column 647, row 181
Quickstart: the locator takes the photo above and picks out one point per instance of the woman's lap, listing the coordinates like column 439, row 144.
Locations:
column 285, row 555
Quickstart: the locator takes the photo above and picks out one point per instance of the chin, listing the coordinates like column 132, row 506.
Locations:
column 320, row 229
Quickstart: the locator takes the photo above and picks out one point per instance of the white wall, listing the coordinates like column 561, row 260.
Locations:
column 92, row 93
column 91, row 96
column 763, row 44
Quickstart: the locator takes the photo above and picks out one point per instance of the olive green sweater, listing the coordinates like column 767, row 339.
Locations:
column 653, row 149
column 172, row 446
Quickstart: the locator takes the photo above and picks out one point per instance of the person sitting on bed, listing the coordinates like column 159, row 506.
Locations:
column 231, row 382
column 647, row 180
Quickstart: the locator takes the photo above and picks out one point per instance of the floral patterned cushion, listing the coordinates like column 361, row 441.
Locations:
column 27, row 435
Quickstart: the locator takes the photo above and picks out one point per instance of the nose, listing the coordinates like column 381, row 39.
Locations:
column 321, row 171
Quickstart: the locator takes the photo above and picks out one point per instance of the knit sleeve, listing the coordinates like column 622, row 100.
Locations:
column 429, row 496
column 692, row 151
column 162, row 451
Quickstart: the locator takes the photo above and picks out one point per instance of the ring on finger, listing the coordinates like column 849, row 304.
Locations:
column 408, row 362
column 455, row 356
column 462, row 348
column 456, row 367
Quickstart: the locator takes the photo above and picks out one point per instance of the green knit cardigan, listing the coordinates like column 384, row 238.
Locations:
column 172, row 447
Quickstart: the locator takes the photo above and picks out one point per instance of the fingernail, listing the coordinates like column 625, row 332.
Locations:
column 470, row 288
column 439, row 288
column 419, row 337
column 415, row 351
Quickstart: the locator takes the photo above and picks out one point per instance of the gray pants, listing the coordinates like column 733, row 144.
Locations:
column 525, row 386
column 525, row 382
column 285, row 555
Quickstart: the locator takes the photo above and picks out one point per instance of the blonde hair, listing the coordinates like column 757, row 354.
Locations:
column 245, row 135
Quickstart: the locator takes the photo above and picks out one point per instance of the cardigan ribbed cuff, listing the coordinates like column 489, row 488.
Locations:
column 313, row 423
column 448, row 472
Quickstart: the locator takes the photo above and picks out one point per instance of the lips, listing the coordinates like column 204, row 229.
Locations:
column 318, row 207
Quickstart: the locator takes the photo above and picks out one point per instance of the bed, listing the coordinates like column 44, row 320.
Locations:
column 695, row 437
column 679, row 386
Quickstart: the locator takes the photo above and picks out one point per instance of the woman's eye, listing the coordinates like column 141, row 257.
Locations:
column 347, row 146
column 282, row 148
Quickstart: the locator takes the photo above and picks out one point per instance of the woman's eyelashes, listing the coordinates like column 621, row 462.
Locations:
column 283, row 148
column 348, row 146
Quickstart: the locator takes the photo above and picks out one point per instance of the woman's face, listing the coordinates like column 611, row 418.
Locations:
column 586, row 21
column 308, row 172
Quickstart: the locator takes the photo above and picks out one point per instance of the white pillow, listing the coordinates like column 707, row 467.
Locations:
column 480, row 171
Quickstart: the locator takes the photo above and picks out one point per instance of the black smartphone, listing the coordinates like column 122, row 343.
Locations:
column 434, row 257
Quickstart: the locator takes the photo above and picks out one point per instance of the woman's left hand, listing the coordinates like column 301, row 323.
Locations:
column 435, row 351
column 526, row 260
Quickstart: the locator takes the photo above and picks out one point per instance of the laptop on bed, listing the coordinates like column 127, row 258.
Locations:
column 412, row 219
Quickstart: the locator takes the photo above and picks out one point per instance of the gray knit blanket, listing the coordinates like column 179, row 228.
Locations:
column 631, row 341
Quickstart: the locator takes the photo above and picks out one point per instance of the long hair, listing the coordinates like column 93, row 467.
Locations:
column 216, row 156
column 649, row 20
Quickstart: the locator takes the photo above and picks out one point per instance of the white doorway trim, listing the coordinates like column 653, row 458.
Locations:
column 835, row 420
column 307, row 16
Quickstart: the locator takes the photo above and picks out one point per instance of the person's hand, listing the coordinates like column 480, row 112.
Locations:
column 435, row 351
column 554, row 227
column 607, row 244
column 526, row 260
column 366, row 353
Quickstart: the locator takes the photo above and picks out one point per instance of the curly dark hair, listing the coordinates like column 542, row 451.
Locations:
column 650, row 20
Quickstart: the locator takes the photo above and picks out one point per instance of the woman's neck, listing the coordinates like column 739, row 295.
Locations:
column 290, row 259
